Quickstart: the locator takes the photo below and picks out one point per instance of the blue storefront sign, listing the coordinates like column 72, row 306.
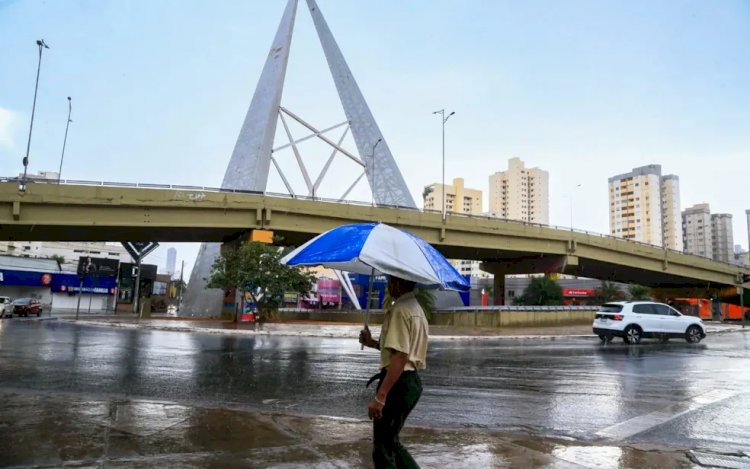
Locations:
column 25, row 278
column 58, row 282
column 70, row 283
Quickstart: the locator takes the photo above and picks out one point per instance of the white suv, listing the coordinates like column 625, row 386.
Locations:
column 634, row 320
column 6, row 307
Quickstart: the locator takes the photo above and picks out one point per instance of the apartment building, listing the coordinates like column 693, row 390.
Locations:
column 458, row 199
column 697, row 231
column 520, row 193
column 723, row 238
column 645, row 206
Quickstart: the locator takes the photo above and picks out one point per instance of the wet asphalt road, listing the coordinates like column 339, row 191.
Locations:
column 675, row 395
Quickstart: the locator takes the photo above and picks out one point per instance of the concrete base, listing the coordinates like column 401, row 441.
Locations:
column 513, row 318
column 464, row 318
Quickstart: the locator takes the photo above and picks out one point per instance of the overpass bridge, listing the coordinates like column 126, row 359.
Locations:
column 98, row 211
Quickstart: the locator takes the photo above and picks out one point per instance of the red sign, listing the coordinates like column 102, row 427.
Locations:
column 577, row 292
column 46, row 279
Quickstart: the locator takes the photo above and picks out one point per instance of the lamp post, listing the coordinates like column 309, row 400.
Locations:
column 572, row 193
column 443, row 119
column 42, row 45
column 65, row 140
column 373, row 169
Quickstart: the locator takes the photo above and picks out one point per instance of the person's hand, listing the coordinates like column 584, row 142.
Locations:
column 375, row 409
column 365, row 338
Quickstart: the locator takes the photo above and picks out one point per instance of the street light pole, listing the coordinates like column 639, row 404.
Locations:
column 65, row 140
column 373, row 169
column 42, row 45
column 444, row 119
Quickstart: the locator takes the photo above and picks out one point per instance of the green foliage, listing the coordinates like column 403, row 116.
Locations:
column 639, row 292
column 608, row 291
column 256, row 268
column 425, row 298
column 58, row 258
column 542, row 291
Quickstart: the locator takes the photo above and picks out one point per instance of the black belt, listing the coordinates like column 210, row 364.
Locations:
column 381, row 374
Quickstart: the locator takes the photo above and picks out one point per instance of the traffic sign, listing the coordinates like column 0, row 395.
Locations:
column 140, row 249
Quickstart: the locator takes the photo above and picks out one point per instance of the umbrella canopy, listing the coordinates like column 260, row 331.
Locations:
column 362, row 247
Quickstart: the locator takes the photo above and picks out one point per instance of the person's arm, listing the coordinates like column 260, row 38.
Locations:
column 393, row 373
column 365, row 338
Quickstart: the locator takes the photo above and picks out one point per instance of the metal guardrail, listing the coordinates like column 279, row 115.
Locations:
column 76, row 182
column 515, row 308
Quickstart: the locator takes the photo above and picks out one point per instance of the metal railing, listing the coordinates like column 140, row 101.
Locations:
column 77, row 182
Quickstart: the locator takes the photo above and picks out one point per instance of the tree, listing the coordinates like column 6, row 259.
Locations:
column 639, row 292
column 256, row 268
column 59, row 259
column 425, row 298
column 608, row 291
column 542, row 291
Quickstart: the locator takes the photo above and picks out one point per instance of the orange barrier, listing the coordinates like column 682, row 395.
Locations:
column 704, row 309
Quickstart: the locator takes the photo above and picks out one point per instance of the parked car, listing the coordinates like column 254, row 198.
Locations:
column 6, row 307
column 26, row 306
column 634, row 320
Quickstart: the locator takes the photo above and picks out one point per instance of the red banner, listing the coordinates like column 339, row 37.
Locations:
column 577, row 292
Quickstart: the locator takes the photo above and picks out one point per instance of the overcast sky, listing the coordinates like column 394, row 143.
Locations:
column 584, row 90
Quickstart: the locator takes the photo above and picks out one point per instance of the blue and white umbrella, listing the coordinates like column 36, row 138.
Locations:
column 375, row 248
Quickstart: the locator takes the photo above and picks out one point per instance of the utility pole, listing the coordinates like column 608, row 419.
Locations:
column 65, row 140
column 443, row 119
column 179, row 294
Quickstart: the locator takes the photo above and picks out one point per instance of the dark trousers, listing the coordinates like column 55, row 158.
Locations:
column 387, row 449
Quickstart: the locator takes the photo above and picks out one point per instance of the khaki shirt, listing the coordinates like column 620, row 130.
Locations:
column 405, row 330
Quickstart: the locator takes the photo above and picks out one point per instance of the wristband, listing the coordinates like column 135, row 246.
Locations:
column 379, row 401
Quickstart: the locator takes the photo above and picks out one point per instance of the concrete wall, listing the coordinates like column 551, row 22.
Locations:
column 356, row 317
column 512, row 318
column 465, row 317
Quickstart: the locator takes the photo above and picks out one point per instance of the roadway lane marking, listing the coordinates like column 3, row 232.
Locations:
column 648, row 421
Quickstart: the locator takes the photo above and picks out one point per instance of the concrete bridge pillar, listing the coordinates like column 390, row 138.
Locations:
column 498, row 287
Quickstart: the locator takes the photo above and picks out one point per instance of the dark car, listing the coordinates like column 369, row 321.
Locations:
column 26, row 306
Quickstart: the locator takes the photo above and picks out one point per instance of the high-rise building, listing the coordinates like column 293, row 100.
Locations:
column 171, row 261
column 697, row 231
column 723, row 238
column 747, row 214
column 645, row 206
column 458, row 199
column 520, row 193
column 708, row 235
column 670, row 213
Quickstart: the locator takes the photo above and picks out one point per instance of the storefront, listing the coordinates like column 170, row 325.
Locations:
column 126, row 286
column 97, row 293
column 26, row 284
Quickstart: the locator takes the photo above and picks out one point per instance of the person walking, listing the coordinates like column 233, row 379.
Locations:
column 403, row 351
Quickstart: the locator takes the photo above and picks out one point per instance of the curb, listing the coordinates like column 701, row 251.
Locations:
column 333, row 335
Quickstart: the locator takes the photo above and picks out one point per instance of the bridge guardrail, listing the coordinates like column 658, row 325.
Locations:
column 77, row 182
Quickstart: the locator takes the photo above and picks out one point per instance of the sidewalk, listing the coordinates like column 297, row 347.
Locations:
column 341, row 330
column 52, row 430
